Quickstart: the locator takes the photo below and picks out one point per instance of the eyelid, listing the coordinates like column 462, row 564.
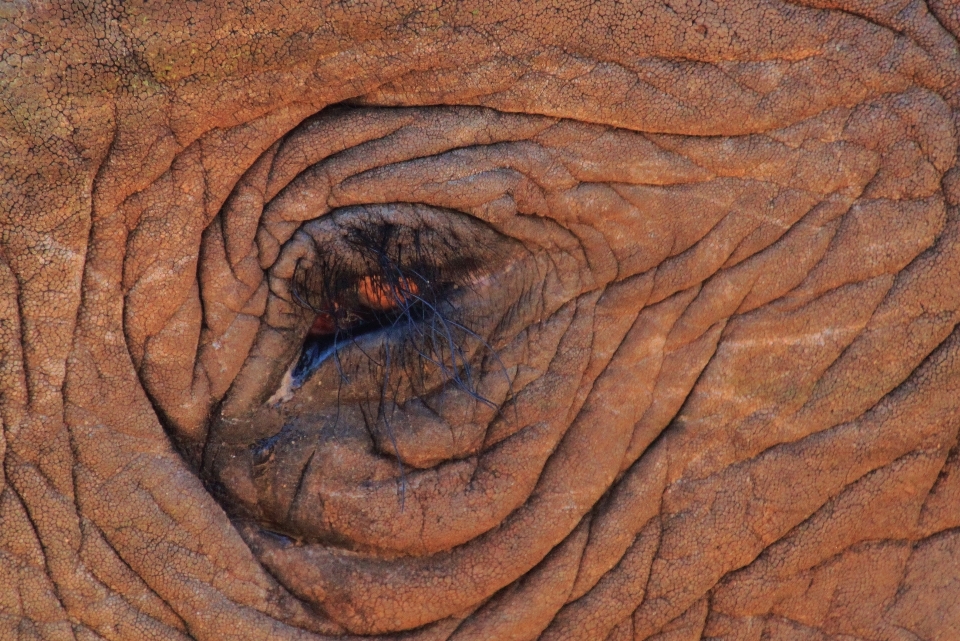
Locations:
column 302, row 170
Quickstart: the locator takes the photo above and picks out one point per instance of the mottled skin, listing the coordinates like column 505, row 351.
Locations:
column 735, row 407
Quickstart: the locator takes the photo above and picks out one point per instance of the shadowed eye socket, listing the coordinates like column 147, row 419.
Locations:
column 403, row 312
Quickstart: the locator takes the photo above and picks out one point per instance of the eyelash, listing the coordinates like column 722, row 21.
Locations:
column 402, row 286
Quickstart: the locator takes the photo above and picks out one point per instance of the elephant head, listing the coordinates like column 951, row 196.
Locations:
column 468, row 321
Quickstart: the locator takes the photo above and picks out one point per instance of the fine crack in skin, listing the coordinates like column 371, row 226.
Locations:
column 467, row 322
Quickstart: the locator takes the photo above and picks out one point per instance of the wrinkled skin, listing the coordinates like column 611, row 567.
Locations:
column 715, row 337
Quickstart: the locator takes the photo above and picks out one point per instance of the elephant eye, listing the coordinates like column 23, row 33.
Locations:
column 368, row 276
column 397, row 305
column 368, row 304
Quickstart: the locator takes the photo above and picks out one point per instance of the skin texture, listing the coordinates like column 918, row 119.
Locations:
column 729, row 328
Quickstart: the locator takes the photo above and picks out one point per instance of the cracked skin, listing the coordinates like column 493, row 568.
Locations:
column 709, row 260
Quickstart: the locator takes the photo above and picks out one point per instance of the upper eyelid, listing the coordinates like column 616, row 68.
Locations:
column 389, row 135
column 344, row 177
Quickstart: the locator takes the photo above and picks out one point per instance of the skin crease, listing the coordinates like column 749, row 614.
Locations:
column 736, row 372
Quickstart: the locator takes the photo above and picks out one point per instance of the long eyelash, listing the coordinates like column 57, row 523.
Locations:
column 382, row 413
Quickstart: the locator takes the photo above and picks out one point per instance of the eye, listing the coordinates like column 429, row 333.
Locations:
column 368, row 304
column 403, row 272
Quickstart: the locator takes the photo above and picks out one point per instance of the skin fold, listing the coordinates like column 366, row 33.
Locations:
column 706, row 309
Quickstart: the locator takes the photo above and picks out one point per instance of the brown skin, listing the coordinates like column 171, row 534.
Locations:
column 734, row 376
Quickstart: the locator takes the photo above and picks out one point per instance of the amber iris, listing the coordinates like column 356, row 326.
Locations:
column 373, row 296
column 384, row 297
